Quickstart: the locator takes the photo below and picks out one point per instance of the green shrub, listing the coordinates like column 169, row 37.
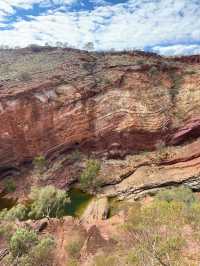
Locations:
column 9, row 185
column 72, row 262
column 6, row 231
column 39, row 163
column 74, row 248
column 47, row 202
column 140, row 62
column 19, row 212
column 88, row 178
column 155, row 233
column 27, row 250
column 153, row 71
column 74, row 156
column 24, row 76
column 105, row 260
column 42, row 253
column 179, row 194
column 22, row 241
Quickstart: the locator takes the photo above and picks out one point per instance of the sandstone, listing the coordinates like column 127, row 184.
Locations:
column 97, row 209
column 114, row 105
column 95, row 242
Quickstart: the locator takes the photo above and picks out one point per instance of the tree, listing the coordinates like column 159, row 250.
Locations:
column 19, row 212
column 88, row 178
column 22, row 241
column 41, row 254
column 40, row 163
column 27, row 250
column 47, row 202
column 89, row 46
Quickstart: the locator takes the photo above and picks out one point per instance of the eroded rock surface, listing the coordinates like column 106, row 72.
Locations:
column 97, row 209
column 108, row 104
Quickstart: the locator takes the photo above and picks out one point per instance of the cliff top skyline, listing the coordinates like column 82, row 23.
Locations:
column 167, row 27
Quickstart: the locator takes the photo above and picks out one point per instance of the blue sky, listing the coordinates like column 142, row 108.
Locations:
column 168, row 27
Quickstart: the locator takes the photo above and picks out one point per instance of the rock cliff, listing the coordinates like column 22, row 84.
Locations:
column 138, row 111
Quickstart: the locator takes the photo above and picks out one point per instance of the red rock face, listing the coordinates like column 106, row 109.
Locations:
column 111, row 104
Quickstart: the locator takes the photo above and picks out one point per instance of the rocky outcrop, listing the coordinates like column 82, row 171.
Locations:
column 95, row 242
column 98, row 209
column 108, row 104
column 151, row 171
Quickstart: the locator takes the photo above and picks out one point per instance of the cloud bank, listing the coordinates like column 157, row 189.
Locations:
column 168, row 27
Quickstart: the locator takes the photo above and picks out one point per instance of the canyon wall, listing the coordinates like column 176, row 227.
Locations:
column 108, row 104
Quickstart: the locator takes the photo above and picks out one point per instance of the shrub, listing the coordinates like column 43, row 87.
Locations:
column 74, row 248
column 19, row 212
column 39, row 163
column 27, row 250
column 47, row 202
column 42, row 253
column 9, row 185
column 180, row 194
column 74, row 156
column 140, row 62
column 155, row 233
column 22, row 241
column 6, row 231
column 105, row 260
column 88, row 178
column 25, row 76
column 153, row 71
column 35, row 48
column 72, row 262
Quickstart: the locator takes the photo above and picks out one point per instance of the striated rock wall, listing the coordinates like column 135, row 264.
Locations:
column 110, row 104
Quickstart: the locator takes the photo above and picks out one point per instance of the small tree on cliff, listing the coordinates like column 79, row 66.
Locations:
column 89, row 46
column 88, row 178
column 47, row 202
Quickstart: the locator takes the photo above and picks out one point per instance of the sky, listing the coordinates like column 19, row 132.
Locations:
column 167, row 27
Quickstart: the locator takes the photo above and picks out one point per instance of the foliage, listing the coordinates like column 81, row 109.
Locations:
column 180, row 194
column 9, row 185
column 74, row 248
column 177, row 81
column 39, row 163
column 35, row 48
column 155, row 230
column 72, row 262
column 22, row 241
column 88, row 178
column 89, row 46
column 41, row 254
column 27, row 250
column 6, row 231
column 24, row 76
column 19, row 212
column 47, row 202
column 153, row 71
column 103, row 260
column 74, row 156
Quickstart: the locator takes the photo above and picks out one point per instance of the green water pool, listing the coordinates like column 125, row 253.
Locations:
column 79, row 201
column 6, row 203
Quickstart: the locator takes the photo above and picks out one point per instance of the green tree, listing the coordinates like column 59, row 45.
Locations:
column 179, row 194
column 22, row 241
column 19, row 212
column 40, row 163
column 27, row 250
column 42, row 253
column 47, row 202
column 10, row 185
column 88, row 178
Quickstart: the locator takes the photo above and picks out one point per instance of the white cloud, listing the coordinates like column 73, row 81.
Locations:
column 164, row 25
column 26, row 4
column 177, row 50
